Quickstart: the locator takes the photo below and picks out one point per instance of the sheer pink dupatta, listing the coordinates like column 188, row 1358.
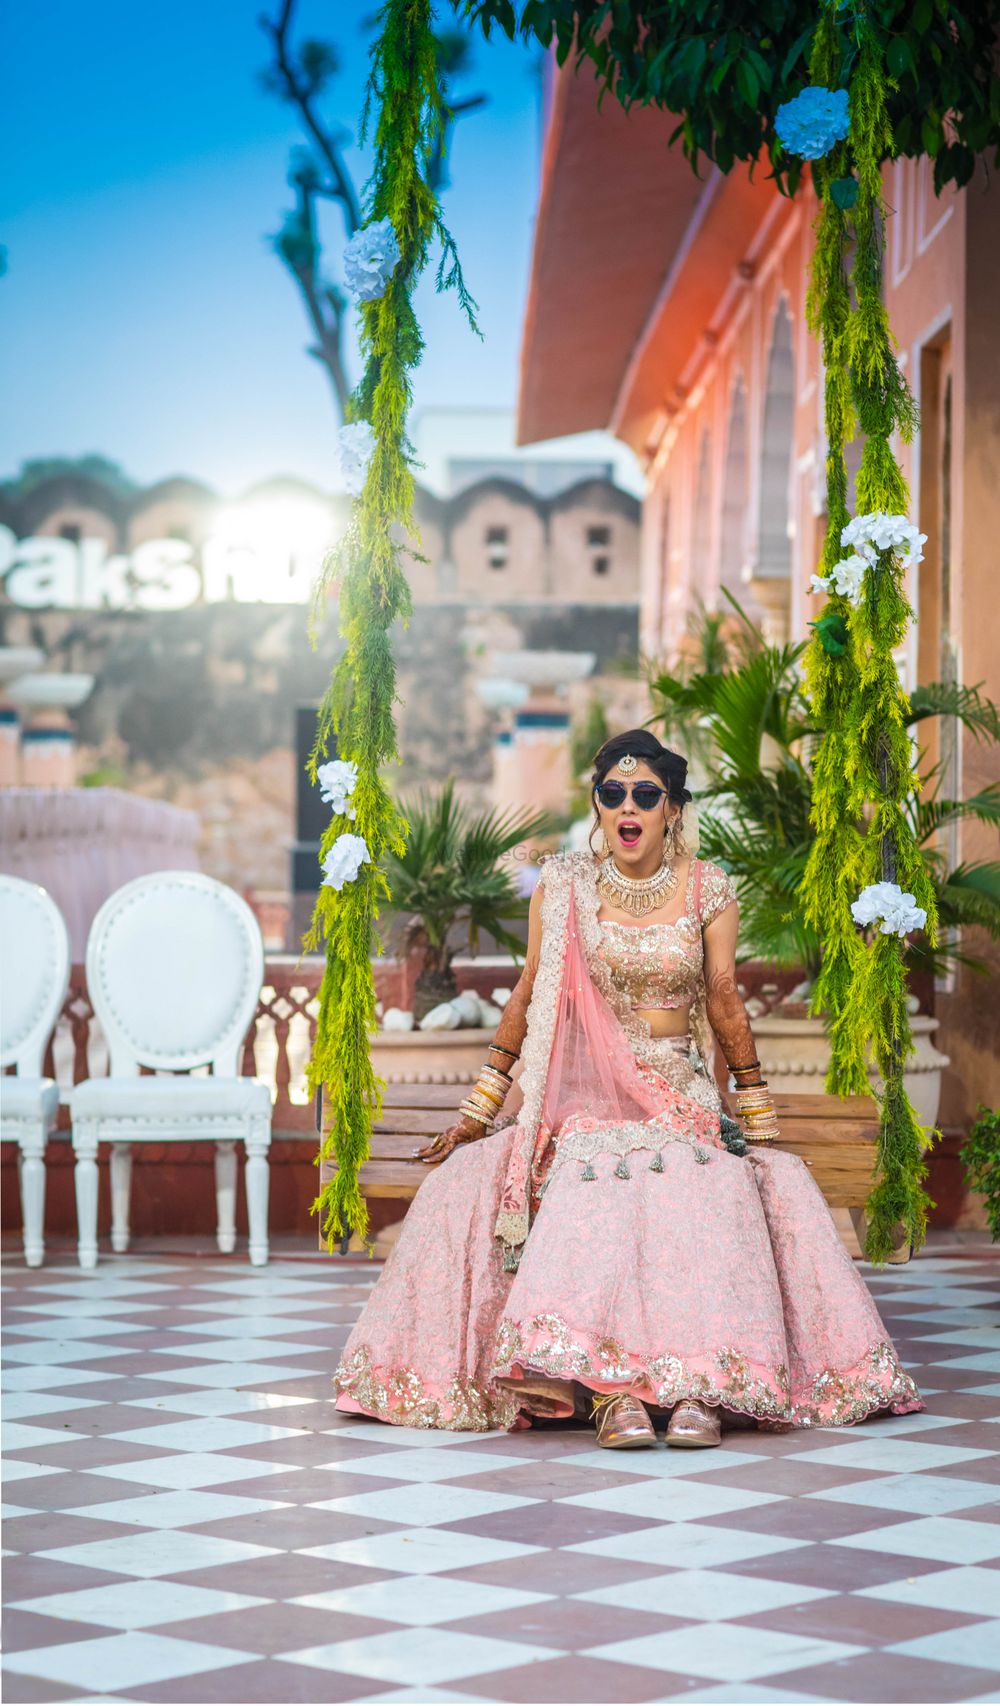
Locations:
column 589, row 1073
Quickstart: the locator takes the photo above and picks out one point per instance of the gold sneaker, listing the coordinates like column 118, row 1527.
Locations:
column 694, row 1424
column 622, row 1421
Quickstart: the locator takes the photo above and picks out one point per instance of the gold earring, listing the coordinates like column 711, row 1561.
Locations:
column 669, row 847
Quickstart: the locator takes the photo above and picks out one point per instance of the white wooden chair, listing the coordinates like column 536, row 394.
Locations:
column 175, row 965
column 34, row 978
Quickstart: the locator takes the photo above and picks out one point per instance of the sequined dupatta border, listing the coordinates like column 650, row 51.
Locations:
column 570, row 887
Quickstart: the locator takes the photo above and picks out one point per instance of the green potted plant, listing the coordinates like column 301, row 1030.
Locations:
column 981, row 1161
column 456, row 879
column 754, row 741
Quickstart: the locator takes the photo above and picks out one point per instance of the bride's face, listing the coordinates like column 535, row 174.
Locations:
column 635, row 837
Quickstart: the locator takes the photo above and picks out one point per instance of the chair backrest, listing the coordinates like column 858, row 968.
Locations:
column 175, row 964
column 34, row 972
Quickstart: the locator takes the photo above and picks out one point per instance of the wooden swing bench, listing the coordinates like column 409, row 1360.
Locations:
column 834, row 1136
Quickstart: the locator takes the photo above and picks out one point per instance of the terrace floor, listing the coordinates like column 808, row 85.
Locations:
column 187, row 1519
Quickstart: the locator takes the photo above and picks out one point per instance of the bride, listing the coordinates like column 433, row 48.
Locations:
column 617, row 1246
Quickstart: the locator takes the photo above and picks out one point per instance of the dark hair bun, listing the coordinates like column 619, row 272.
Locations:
column 670, row 767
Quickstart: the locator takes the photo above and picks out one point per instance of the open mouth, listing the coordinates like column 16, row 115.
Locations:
column 629, row 833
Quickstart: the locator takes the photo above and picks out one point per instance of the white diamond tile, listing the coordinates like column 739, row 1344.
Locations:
column 16, row 1405
column 14, row 1469
column 440, row 1655
column 892, row 1455
column 257, row 1327
column 81, row 1326
column 208, row 1433
column 420, row 1600
column 731, row 1655
column 215, row 1401
column 240, row 1349
column 138, row 1604
column 666, row 1464
column 983, row 1334
column 687, row 1546
column 988, row 1361
column 741, row 1694
column 426, row 1505
column 131, row 1660
column 929, row 1493
column 51, row 1354
column 672, row 1500
column 977, row 1645
column 230, row 1375
column 164, row 1552
column 429, row 1465
column 423, row 1697
column 386, row 1433
column 36, row 1378
column 420, row 1551
column 189, row 1469
column 183, row 1508
column 966, row 1588
column 704, row 1595
column 943, row 1537
column 19, row 1436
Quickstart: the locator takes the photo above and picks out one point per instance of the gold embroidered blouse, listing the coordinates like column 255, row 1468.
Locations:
column 660, row 965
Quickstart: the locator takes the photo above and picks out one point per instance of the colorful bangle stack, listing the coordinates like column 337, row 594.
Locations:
column 485, row 1101
column 757, row 1112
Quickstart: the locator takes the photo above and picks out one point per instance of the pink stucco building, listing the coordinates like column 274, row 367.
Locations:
column 671, row 310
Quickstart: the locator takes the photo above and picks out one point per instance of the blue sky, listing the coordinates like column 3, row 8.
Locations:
column 143, row 314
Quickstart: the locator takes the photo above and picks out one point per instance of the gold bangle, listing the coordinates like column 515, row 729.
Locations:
column 496, row 1081
column 494, row 1072
column 488, row 1088
column 474, row 1114
column 485, row 1103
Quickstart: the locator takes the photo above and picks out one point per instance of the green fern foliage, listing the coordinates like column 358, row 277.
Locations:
column 404, row 104
column 863, row 775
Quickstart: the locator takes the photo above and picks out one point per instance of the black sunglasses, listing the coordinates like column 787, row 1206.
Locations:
column 645, row 795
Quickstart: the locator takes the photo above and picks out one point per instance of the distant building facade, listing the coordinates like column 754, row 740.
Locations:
column 191, row 613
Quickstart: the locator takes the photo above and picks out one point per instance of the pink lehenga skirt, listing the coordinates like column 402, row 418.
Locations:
column 658, row 1262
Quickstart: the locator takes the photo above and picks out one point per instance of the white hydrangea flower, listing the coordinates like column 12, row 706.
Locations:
column 344, row 860
column 370, row 259
column 872, row 534
column 355, row 444
column 885, row 904
column 337, row 781
column 846, row 579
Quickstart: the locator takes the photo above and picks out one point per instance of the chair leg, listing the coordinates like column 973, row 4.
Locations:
column 85, row 1180
column 258, row 1141
column 31, row 1176
column 225, row 1195
column 121, row 1191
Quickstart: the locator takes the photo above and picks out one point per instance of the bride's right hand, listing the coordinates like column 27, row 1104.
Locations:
column 464, row 1130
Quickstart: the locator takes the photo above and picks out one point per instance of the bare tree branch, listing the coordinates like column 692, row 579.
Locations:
column 299, row 76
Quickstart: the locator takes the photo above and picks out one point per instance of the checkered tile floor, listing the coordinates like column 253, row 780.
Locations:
column 188, row 1520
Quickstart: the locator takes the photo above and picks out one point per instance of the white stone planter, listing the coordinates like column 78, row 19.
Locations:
column 795, row 1053
column 430, row 1057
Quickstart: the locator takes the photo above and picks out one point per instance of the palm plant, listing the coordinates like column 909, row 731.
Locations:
column 453, row 873
column 756, row 741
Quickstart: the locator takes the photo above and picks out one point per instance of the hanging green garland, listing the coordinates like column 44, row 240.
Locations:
column 382, row 265
column 865, row 855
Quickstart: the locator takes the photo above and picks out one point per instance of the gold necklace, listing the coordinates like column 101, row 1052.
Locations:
column 637, row 895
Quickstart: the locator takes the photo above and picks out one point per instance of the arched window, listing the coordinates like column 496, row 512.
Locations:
column 701, row 521
column 734, row 495
column 774, row 557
